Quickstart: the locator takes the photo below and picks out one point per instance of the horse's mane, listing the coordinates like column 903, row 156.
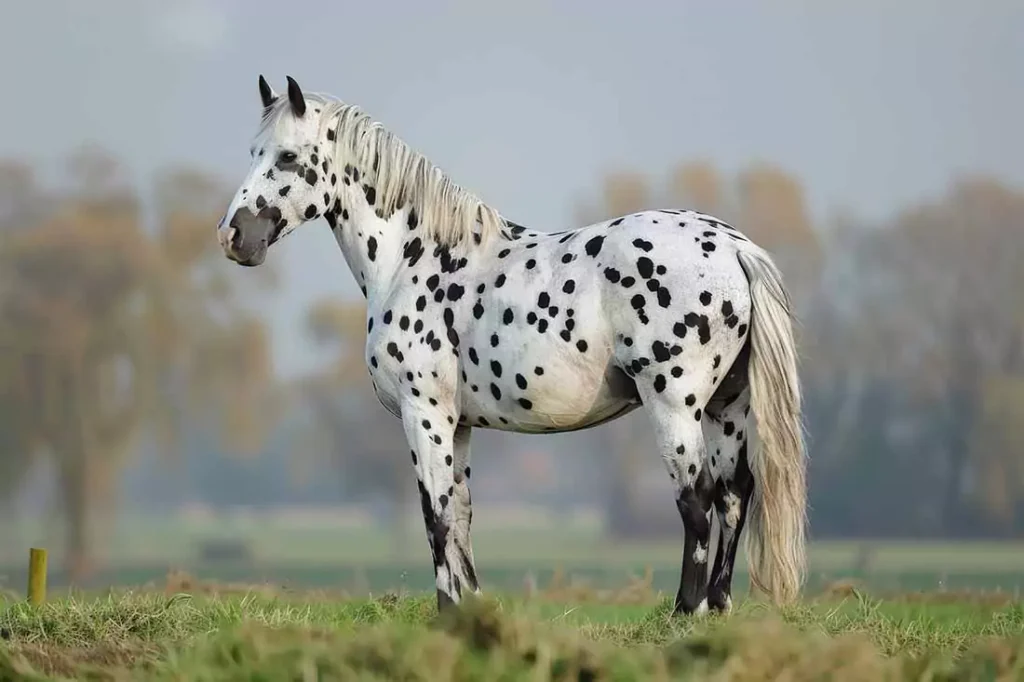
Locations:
column 401, row 176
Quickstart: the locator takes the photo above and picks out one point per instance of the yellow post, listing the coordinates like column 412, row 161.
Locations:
column 36, row 576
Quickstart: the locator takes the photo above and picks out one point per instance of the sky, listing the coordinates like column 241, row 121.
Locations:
column 872, row 104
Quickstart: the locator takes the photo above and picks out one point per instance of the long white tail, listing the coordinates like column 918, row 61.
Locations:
column 777, row 517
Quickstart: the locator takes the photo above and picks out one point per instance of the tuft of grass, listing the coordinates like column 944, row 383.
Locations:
column 266, row 636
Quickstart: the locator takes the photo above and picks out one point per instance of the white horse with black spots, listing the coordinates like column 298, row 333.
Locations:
column 476, row 322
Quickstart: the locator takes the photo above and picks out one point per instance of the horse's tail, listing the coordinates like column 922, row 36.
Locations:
column 775, row 541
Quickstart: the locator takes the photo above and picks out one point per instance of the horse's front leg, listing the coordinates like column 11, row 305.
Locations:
column 464, row 509
column 430, row 430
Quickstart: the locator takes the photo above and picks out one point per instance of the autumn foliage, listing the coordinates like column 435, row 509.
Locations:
column 116, row 330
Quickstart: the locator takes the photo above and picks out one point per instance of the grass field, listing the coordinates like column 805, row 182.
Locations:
column 342, row 604
column 310, row 636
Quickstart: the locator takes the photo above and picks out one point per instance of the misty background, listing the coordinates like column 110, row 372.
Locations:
column 155, row 396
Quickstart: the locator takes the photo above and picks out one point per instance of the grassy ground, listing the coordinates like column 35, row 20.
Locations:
column 920, row 622
column 204, row 632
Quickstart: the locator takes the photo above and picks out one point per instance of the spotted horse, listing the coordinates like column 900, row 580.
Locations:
column 476, row 322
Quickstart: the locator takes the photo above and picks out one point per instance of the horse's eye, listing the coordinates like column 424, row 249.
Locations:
column 287, row 157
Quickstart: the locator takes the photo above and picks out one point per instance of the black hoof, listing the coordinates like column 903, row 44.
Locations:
column 719, row 601
column 689, row 607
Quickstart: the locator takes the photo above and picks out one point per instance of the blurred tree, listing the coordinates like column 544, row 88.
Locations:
column 217, row 352
column 772, row 210
column 365, row 444
column 948, row 310
column 699, row 186
column 111, row 332
column 21, row 203
column 622, row 192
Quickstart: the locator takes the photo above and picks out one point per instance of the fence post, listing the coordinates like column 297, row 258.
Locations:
column 36, row 576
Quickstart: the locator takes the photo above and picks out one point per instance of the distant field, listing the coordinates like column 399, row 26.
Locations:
column 310, row 637
column 365, row 560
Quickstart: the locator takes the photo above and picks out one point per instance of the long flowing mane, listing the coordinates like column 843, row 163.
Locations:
column 448, row 213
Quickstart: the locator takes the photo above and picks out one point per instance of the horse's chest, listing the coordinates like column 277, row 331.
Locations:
column 385, row 358
column 408, row 357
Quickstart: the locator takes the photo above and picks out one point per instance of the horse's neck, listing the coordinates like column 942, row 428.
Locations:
column 374, row 247
column 371, row 247
column 379, row 250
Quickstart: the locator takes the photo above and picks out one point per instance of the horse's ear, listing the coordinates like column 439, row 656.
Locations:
column 296, row 97
column 267, row 93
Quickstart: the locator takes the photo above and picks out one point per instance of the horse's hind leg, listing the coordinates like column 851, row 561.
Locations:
column 463, row 511
column 676, row 416
column 725, row 432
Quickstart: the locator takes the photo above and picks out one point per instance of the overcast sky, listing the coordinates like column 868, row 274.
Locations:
column 872, row 103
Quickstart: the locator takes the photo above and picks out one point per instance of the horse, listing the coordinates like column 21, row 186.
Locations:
column 474, row 321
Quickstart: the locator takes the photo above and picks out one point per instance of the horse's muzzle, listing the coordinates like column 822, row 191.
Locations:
column 246, row 237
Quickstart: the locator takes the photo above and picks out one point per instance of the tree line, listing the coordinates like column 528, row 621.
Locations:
column 119, row 326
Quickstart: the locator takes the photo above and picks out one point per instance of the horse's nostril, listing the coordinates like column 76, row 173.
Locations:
column 235, row 237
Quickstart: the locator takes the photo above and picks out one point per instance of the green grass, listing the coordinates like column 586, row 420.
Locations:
column 313, row 636
column 940, row 611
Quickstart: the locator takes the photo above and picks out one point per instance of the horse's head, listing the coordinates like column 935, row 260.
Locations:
column 291, row 178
